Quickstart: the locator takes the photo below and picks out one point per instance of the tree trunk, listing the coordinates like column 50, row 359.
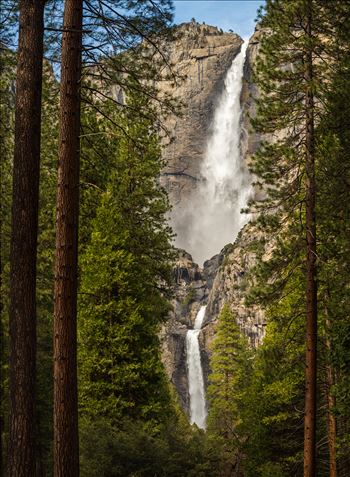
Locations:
column 66, row 447
column 22, row 315
column 311, row 288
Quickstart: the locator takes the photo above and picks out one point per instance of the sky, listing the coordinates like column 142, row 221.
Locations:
column 238, row 15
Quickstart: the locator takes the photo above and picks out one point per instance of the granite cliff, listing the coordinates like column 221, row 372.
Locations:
column 203, row 54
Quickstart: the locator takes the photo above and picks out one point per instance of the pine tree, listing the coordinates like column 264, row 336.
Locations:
column 286, row 75
column 22, row 432
column 334, row 221
column 230, row 376
column 125, row 277
column 272, row 412
column 66, row 446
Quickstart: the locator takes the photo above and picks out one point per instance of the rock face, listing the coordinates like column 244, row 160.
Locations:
column 202, row 55
column 227, row 286
column 191, row 292
column 214, row 285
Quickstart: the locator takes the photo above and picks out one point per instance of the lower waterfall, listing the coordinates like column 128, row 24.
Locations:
column 198, row 413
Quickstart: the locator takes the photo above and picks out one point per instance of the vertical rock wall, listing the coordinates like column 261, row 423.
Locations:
column 201, row 54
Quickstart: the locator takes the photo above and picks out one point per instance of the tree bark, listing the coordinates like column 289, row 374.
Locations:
column 22, row 315
column 311, row 287
column 66, row 448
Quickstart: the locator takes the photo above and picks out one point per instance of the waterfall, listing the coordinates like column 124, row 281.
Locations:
column 213, row 216
column 198, row 412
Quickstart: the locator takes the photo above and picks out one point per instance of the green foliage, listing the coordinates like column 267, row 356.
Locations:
column 126, row 275
column 134, row 449
column 45, row 263
column 273, row 414
column 334, row 232
column 274, row 404
column 231, row 367
column 6, row 147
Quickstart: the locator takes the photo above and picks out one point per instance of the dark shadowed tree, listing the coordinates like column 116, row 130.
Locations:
column 22, row 430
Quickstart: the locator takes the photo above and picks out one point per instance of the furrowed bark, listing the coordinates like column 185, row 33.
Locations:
column 22, row 315
column 66, row 447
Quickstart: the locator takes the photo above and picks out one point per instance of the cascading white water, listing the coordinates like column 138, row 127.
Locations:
column 198, row 413
column 212, row 219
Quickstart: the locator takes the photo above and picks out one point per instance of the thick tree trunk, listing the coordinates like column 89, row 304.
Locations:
column 311, row 288
column 22, row 435
column 66, row 448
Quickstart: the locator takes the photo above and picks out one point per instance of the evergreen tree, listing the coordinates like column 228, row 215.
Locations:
column 334, row 222
column 231, row 369
column 291, row 77
column 273, row 406
column 66, row 441
column 125, row 280
column 22, row 311
column 45, row 251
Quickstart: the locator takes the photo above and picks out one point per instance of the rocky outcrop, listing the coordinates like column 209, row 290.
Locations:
column 229, row 282
column 192, row 290
column 249, row 140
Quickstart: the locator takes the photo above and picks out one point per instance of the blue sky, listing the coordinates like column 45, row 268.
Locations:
column 238, row 15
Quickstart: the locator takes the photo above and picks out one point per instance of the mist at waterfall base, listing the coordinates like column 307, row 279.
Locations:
column 198, row 413
column 212, row 217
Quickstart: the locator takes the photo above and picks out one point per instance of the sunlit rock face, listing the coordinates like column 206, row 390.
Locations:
column 202, row 55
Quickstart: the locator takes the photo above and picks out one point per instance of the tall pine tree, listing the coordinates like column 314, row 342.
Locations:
column 290, row 75
column 66, row 442
column 22, row 432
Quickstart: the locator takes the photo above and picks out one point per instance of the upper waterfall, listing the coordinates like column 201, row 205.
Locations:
column 213, row 216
